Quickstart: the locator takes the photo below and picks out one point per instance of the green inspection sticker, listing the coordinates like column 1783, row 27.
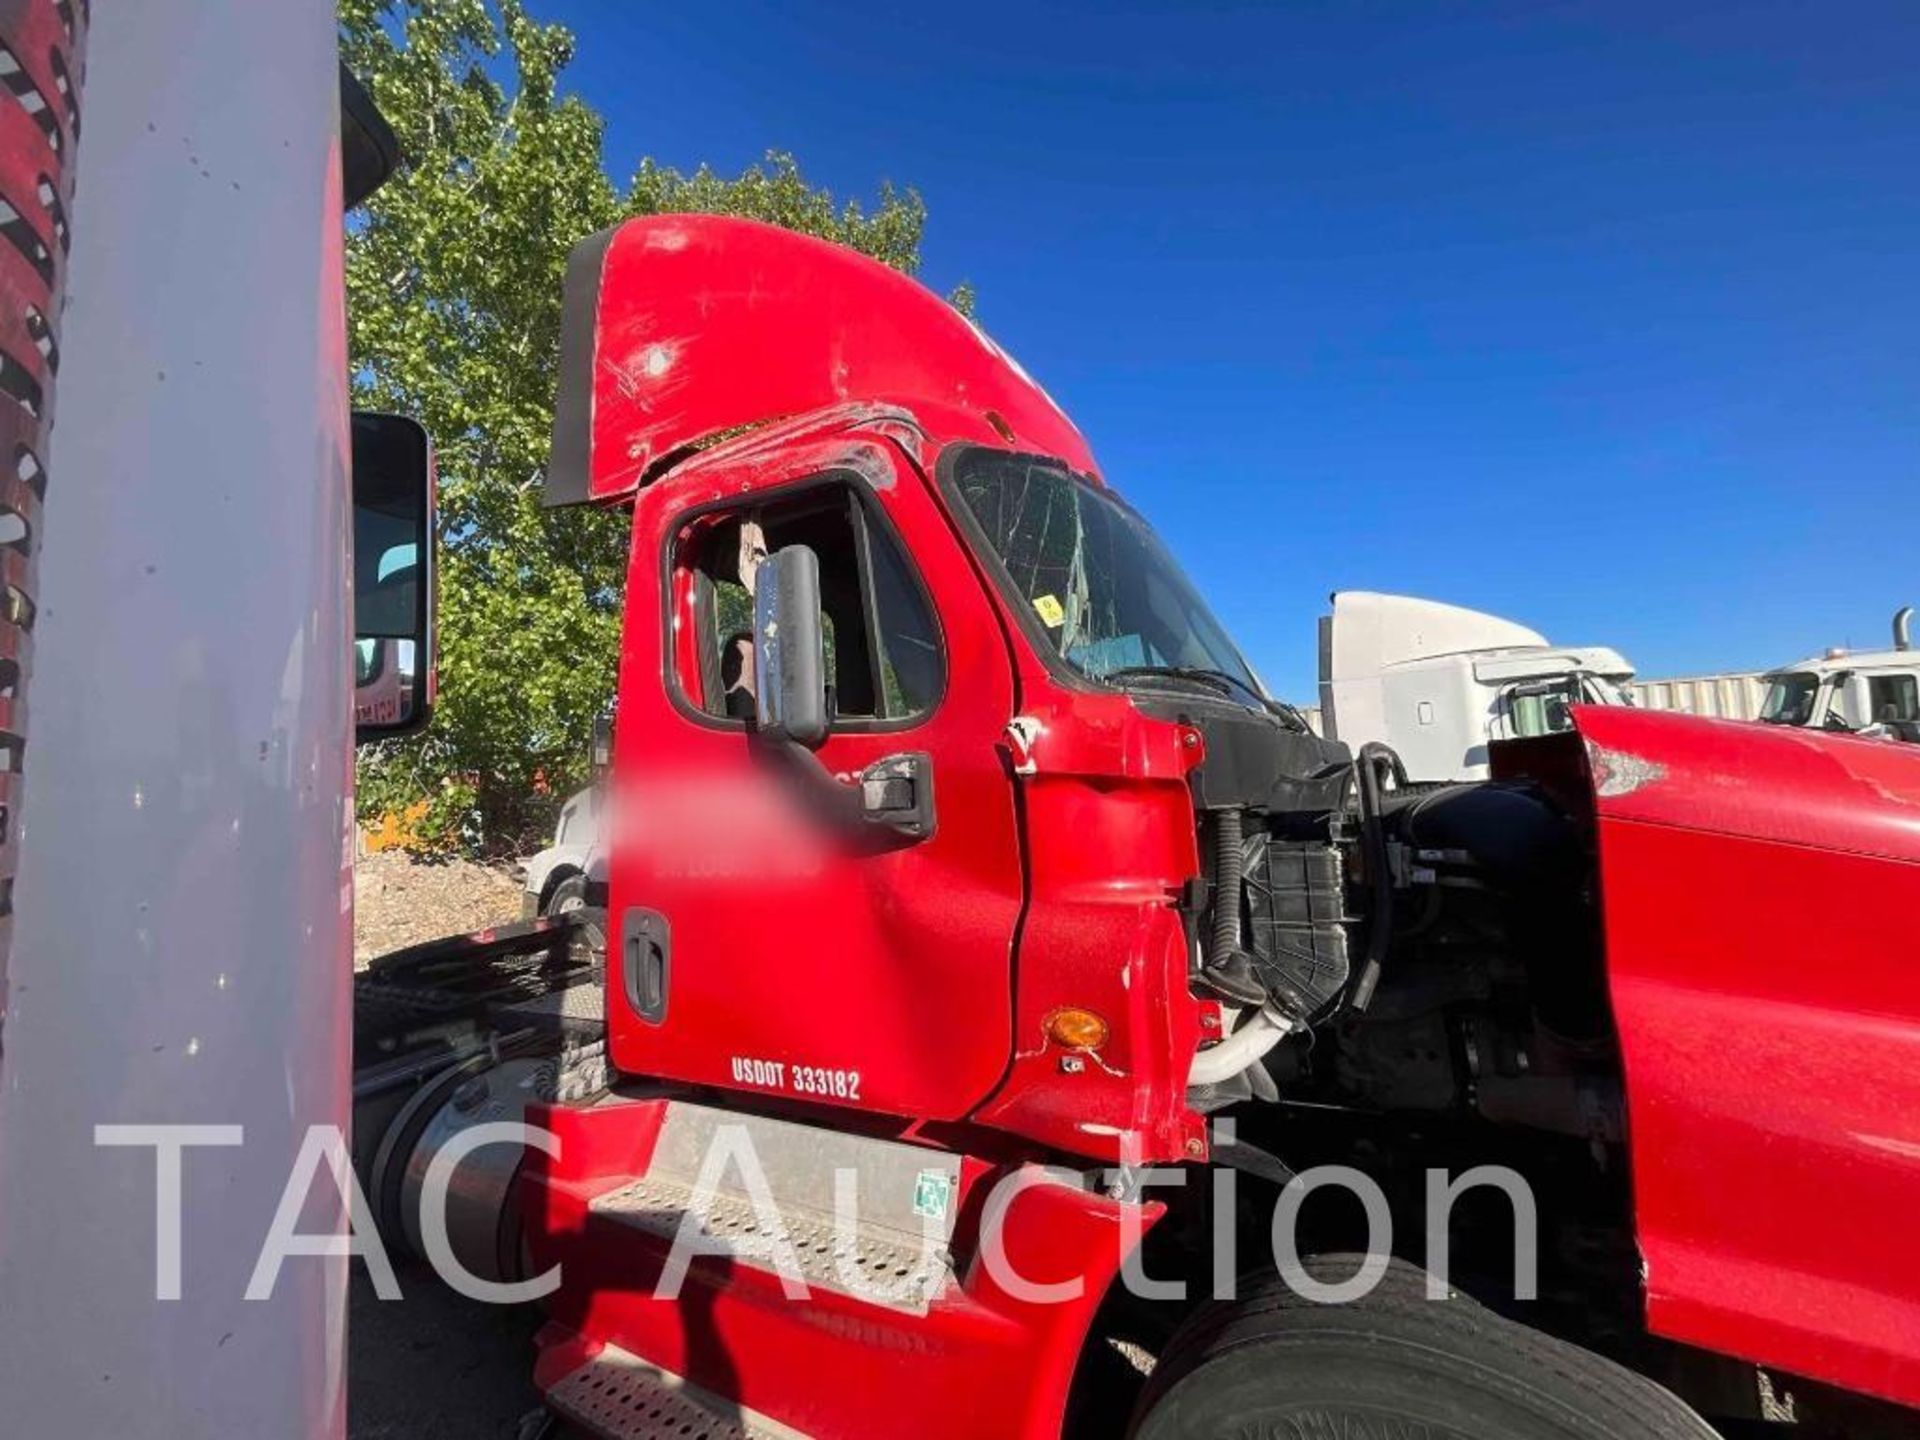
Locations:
column 932, row 1193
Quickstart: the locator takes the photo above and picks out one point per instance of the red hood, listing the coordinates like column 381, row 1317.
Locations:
column 1766, row 782
column 677, row 328
column 1759, row 886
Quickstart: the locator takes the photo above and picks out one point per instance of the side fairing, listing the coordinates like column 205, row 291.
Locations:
column 1760, row 887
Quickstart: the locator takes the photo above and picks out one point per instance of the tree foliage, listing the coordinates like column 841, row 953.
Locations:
column 453, row 284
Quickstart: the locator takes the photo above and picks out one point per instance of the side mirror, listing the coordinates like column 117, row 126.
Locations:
column 602, row 753
column 789, row 648
column 393, row 568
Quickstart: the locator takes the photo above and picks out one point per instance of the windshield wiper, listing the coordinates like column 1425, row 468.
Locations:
column 1218, row 681
column 1222, row 682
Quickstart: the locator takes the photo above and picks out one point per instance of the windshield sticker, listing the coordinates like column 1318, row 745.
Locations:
column 1049, row 609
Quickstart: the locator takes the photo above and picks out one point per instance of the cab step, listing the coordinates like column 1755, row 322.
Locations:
column 619, row 1396
column 774, row 1184
column 867, row 1263
column 967, row 1355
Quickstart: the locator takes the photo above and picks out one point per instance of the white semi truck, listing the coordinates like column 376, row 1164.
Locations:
column 1864, row 691
column 1438, row 683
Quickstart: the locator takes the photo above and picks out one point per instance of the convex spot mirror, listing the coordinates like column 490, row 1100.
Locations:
column 789, row 648
column 393, row 660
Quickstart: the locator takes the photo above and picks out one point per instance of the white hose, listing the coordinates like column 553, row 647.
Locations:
column 1258, row 1034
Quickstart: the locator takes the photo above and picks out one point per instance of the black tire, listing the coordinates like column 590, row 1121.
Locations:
column 569, row 894
column 590, row 938
column 574, row 896
column 1392, row 1364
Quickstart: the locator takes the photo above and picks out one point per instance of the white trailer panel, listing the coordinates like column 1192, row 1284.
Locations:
column 1735, row 695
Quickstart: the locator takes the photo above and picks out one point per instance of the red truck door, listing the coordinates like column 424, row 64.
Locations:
column 757, row 947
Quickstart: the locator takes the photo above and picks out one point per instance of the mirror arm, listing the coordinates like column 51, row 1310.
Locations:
column 836, row 804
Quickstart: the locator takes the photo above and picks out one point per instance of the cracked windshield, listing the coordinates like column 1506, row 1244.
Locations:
column 1112, row 601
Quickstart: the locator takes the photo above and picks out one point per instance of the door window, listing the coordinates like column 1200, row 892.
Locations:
column 1541, row 710
column 884, row 660
column 1893, row 697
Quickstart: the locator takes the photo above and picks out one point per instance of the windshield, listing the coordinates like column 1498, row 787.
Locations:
column 1108, row 596
column 1606, row 690
column 1790, row 698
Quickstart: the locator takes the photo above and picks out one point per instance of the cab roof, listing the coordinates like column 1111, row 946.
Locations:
column 1835, row 661
column 678, row 330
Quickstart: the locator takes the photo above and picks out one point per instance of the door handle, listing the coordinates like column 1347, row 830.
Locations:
column 645, row 952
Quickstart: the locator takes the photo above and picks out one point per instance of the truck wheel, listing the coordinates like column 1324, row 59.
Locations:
column 569, row 894
column 570, row 897
column 1394, row 1363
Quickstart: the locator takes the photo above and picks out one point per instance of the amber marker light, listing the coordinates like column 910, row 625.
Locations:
column 1077, row 1029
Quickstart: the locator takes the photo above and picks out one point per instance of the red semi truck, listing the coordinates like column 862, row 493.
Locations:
column 994, row 971
column 1049, row 887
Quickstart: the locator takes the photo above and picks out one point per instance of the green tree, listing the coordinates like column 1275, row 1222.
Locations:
column 453, row 284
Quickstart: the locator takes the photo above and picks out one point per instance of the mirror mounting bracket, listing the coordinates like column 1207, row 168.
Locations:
column 896, row 794
column 891, row 800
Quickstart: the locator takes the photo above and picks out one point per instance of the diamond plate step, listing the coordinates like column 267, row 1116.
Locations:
column 619, row 1396
column 879, row 1266
column 891, row 1250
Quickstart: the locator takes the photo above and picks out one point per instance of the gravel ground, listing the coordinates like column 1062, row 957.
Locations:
column 399, row 901
column 432, row 1366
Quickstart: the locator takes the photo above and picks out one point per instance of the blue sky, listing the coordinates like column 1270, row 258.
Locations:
column 1602, row 316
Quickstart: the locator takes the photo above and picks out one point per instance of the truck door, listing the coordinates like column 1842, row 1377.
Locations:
column 758, row 947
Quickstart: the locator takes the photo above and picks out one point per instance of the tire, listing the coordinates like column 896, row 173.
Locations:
column 1392, row 1364
column 569, row 894
column 573, row 897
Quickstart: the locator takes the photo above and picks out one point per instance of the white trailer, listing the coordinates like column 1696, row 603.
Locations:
column 176, row 1002
column 1439, row 683
column 1734, row 695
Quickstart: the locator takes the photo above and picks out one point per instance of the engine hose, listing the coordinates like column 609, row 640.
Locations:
column 1258, row 1034
column 1388, row 756
column 1374, row 835
column 1229, row 874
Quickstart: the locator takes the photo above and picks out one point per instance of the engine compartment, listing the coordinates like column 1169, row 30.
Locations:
column 1419, row 950
column 1433, row 984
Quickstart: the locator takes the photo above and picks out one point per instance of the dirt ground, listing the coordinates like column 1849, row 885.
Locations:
column 432, row 1366
column 399, row 901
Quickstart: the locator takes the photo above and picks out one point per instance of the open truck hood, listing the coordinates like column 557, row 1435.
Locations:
column 1759, row 885
column 677, row 329
column 1774, row 783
